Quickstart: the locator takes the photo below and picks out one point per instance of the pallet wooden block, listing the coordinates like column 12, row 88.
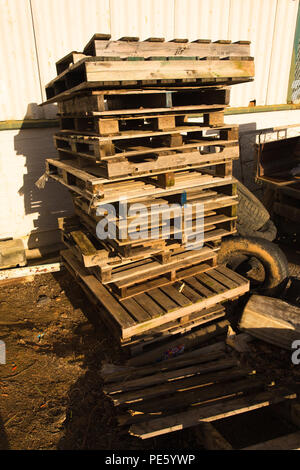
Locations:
column 148, row 310
column 144, row 101
column 89, row 184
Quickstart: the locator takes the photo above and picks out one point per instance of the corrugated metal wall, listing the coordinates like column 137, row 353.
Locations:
column 36, row 33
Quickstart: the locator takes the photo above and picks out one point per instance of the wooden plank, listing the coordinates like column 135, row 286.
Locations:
column 205, row 354
column 84, row 244
column 184, row 399
column 209, row 413
column 28, row 271
column 135, row 289
column 184, row 325
column 200, row 47
column 224, row 280
column 168, row 388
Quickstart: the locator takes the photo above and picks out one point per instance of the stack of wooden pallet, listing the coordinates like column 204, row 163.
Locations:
column 124, row 109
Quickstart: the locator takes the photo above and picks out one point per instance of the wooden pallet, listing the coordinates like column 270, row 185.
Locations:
column 142, row 142
column 186, row 391
column 89, row 184
column 153, row 164
column 162, row 239
column 92, row 72
column 144, row 101
column 143, row 312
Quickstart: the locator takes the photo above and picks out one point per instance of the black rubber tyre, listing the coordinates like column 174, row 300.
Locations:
column 268, row 231
column 251, row 213
column 235, row 251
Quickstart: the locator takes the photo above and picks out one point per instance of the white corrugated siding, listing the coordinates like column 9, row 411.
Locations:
column 35, row 34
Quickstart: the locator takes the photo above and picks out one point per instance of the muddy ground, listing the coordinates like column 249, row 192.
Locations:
column 51, row 388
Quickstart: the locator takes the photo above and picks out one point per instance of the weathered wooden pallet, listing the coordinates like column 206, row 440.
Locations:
column 187, row 390
column 155, row 235
column 91, row 185
column 146, row 151
column 144, row 101
column 282, row 435
column 143, row 312
column 101, row 45
column 171, row 337
column 117, row 72
column 162, row 234
column 132, row 127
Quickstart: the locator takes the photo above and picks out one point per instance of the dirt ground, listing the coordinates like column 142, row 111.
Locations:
column 51, row 388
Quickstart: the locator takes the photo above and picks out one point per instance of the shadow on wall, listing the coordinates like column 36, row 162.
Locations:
column 44, row 205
